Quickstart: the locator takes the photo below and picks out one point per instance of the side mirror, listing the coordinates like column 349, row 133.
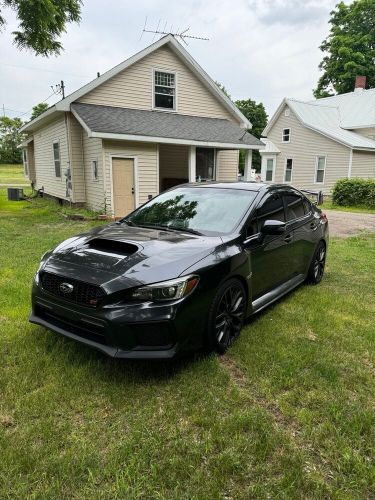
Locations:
column 273, row 227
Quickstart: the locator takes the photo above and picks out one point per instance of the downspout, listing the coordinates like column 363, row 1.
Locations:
column 350, row 163
column 68, row 174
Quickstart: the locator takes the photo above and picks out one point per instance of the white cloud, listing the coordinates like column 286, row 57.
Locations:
column 262, row 49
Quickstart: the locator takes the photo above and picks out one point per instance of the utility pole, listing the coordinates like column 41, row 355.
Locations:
column 3, row 110
column 62, row 89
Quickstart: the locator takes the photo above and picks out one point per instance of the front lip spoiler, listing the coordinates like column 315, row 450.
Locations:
column 113, row 352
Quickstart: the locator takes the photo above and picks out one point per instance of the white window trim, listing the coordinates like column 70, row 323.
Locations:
column 316, row 169
column 266, row 158
column 25, row 154
column 92, row 169
column 282, row 135
column 53, row 156
column 161, row 70
column 291, row 173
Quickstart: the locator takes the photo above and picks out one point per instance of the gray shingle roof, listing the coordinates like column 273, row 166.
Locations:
column 107, row 119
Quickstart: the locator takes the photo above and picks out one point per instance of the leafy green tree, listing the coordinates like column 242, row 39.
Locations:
column 256, row 114
column 223, row 89
column 10, row 138
column 41, row 23
column 39, row 109
column 349, row 48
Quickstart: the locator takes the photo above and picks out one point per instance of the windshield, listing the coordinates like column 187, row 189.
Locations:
column 203, row 210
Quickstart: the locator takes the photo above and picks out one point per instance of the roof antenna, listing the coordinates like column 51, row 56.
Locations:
column 181, row 35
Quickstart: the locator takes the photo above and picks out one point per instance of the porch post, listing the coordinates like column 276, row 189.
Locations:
column 248, row 164
column 192, row 164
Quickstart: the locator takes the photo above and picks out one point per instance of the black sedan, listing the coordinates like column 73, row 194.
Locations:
column 183, row 271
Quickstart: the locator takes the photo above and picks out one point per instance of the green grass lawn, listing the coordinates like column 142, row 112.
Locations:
column 287, row 413
column 13, row 175
column 328, row 205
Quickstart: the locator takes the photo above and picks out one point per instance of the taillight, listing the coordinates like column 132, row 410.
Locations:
column 323, row 217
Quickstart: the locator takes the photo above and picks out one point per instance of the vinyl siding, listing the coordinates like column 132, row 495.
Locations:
column 304, row 146
column 227, row 165
column 77, row 160
column 367, row 132
column 95, row 190
column 133, row 88
column 147, row 159
column 363, row 164
column 44, row 162
column 173, row 162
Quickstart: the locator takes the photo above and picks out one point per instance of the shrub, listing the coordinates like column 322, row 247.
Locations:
column 354, row 192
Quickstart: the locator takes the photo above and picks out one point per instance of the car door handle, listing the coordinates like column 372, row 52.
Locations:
column 288, row 238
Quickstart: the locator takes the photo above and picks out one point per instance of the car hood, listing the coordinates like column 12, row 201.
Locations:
column 122, row 256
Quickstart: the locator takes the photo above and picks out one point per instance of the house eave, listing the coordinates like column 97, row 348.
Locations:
column 167, row 140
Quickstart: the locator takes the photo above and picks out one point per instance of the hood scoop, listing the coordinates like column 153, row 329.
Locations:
column 111, row 247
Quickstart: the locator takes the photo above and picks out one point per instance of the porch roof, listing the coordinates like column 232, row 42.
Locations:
column 164, row 127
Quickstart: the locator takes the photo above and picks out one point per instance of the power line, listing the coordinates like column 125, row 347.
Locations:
column 42, row 69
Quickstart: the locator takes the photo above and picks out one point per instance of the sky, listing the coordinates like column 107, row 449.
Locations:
column 260, row 49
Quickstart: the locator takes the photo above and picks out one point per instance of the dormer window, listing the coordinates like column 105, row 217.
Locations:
column 286, row 135
column 164, row 90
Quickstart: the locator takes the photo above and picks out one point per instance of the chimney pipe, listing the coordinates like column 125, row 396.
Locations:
column 360, row 83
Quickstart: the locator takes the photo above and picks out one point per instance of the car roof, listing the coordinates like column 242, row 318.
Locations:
column 242, row 185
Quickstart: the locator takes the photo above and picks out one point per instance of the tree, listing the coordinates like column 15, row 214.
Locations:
column 39, row 109
column 10, row 138
column 223, row 89
column 256, row 114
column 350, row 48
column 41, row 23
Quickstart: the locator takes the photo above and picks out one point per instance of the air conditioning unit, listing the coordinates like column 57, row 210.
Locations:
column 15, row 194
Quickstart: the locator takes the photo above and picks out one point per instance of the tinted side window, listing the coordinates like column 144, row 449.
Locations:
column 273, row 209
column 294, row 206
column 306, row 205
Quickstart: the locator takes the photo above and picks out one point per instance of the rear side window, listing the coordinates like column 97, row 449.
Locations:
column 273, row 209
column 294, row 206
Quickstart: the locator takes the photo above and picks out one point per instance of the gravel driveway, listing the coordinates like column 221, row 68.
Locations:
column 349, row 223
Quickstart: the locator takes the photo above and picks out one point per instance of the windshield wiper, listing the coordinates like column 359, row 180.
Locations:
column 173, row 229
column 185, row 230
column 126, row 221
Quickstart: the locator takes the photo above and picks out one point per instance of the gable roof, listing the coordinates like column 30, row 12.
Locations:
column 328, row 116
column 178, row 49
column 157, row 126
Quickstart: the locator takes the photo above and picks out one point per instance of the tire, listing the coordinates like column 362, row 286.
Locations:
column 226, row 315
column 316, row 269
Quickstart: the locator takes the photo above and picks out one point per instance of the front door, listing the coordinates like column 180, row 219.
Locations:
column 123, row 186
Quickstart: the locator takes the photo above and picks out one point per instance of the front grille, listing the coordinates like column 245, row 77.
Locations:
column 85, row 329
column 82, row 293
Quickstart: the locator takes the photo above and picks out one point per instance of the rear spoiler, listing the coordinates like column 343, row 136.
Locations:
column 317, row 196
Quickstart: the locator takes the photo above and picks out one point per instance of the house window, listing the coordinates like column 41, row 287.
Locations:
column 56, row 158
column 205, row 164
column 164, row 90
column 288, row 170
column 94, row 170
column 286, row 135
column 25, row 162
column 320, row 169
column 269, row 170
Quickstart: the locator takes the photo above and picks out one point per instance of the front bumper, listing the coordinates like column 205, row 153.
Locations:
column 130, row 331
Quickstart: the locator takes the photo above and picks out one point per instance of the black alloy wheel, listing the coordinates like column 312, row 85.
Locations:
column 227, row 315
column 317, row 266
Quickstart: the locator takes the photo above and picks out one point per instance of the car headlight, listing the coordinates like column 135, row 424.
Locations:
column 166, row 290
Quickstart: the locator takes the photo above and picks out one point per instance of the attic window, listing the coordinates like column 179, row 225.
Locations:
column 164, row 90
column 287, row 112
column 286, row 135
